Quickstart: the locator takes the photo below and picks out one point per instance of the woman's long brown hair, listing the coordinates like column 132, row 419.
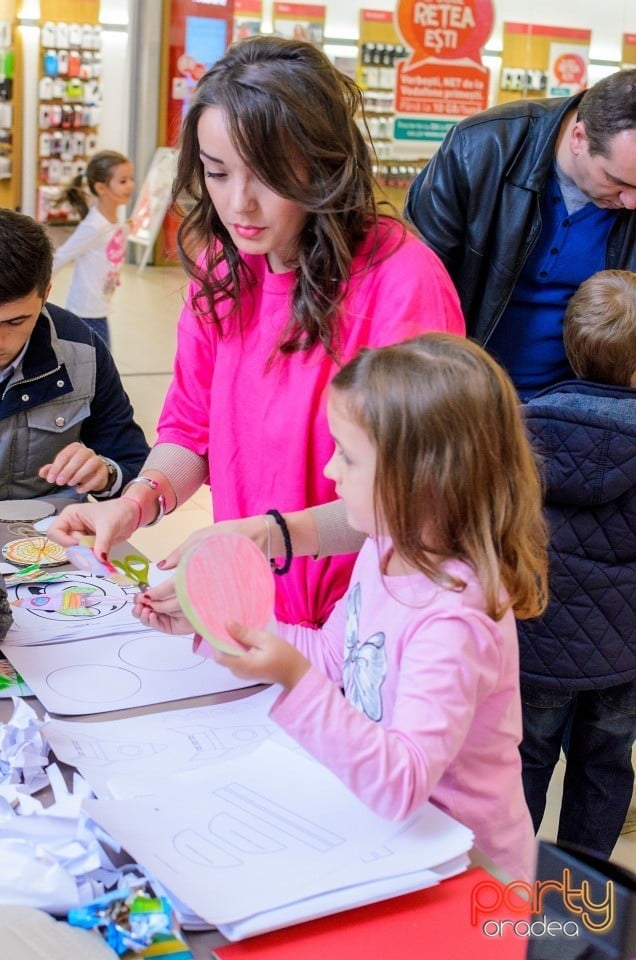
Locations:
column 292, row 119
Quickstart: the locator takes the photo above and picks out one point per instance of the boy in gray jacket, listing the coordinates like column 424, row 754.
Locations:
column 67, row 427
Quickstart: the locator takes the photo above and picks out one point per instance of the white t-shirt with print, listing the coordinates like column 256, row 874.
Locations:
column 98, row 247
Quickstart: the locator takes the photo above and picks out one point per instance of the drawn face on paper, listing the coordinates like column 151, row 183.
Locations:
column 69, row 600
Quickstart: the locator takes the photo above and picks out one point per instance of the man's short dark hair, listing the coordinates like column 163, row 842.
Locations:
column 26, row 257
column 608, row 108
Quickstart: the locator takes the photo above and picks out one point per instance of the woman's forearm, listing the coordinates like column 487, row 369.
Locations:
column 179, row 471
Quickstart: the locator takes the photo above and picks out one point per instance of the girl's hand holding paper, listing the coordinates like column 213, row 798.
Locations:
column 225, row 578
column 263, row 656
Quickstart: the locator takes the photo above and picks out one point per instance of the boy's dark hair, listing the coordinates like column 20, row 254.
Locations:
column 608, row 108
column 26, row 257
column 599, row 328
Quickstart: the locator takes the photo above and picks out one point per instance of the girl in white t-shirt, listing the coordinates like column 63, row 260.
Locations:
column 98, row 244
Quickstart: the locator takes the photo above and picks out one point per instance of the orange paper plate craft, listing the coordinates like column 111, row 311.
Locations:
column 29, row 550
column 223, row 578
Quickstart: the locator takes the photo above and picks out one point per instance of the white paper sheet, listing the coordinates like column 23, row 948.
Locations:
column 24, row 753
column 114, row 673
column 79, row 648
column 249, row 835
column 80, row 606
column 155, row 746
column 326, row 904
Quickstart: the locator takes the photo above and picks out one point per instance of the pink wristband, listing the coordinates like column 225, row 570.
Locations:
column 138, row 505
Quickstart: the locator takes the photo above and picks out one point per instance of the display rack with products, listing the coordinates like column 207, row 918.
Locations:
column 69, row 104
column 379, row 51
column 539, row 61
column 10, row 118
column 248, row 19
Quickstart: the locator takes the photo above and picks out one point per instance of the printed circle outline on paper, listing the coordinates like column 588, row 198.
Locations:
column 94, row 683
column 145, row 653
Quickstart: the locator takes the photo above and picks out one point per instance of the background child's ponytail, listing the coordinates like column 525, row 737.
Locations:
column 75, row 196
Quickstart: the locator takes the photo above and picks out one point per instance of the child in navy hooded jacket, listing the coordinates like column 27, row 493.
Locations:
column 578, row 660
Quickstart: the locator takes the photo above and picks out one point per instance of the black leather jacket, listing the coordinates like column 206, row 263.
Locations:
column 477, row 204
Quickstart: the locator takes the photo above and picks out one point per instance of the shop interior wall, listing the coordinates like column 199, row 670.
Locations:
column 116, row 50
column 122, row 113
column 607, row 20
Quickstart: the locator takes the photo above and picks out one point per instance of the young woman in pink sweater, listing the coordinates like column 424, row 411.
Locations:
column 292, row 269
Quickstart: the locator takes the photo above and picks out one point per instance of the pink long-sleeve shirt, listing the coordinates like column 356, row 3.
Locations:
column 264, row 429
column 431, row 706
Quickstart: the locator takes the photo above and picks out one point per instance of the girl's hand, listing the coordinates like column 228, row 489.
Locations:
column 149, row 613
column 111, row 522
column 267, row 658
column 159, row 607
column 76, row 466
column 162, row 601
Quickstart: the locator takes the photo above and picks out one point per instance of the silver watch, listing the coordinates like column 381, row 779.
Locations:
column 112, row 475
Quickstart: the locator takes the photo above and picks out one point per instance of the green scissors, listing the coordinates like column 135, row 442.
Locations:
column 135, row 568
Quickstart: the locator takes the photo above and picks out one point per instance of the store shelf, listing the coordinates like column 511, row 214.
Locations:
column 69, row 112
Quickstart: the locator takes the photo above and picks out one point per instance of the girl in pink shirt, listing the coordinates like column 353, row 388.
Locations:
column 432, row 463
column 292, row 270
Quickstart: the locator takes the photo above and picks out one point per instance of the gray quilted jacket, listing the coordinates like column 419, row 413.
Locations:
column 585, row 434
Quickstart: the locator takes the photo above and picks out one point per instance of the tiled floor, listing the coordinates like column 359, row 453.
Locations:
column 143, row 329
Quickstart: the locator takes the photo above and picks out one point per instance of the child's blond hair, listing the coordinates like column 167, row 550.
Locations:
column 452, row 459
column 599, row 328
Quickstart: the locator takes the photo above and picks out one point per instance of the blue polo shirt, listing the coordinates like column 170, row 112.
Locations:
column 528, row 340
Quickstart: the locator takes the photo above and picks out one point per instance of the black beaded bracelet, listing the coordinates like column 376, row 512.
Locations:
column 280, row 520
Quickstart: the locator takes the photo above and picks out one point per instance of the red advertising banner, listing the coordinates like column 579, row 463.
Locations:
column 451, row 90
column 300, row 21
column 444, row 77
column 195, row 36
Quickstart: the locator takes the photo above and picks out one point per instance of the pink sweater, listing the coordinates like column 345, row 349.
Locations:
column 431, row 707
column 264, row 431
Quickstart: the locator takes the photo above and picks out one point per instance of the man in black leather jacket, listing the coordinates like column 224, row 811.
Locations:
column 522, row 202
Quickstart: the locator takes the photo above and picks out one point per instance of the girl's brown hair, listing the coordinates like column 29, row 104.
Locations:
column 453, row 460
column 292, row 119
column 100, row 169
